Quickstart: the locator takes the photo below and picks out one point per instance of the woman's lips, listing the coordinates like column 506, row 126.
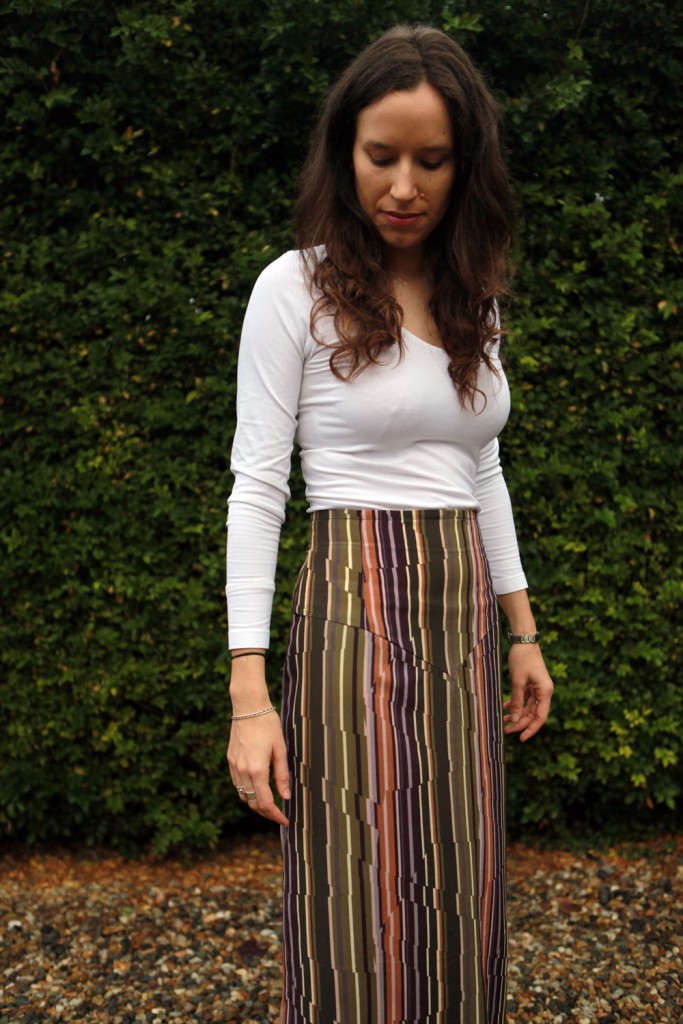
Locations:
column 401, row 220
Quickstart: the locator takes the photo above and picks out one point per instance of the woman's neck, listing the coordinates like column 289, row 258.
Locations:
column 407, row 264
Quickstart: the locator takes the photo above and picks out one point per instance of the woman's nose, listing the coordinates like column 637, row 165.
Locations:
column 403, row 187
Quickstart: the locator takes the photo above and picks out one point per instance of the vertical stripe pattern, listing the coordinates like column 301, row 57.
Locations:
column 394, row 873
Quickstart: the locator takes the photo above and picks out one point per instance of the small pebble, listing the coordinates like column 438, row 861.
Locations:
column 594, row 938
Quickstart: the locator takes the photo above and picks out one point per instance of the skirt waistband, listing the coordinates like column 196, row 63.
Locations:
column 391, row 537
column 391, row 515
column 395, row 570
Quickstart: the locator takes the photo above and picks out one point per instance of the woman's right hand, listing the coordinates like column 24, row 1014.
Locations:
column 256, row 743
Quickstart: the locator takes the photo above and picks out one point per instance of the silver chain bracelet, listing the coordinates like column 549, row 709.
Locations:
column 252, row 714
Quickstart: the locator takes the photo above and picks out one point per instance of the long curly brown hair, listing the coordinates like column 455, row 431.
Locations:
column 468, row 253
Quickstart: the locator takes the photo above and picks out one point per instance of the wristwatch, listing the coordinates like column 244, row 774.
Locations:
column 524, row 638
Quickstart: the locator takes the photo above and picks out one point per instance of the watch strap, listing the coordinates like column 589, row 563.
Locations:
column 524, row 638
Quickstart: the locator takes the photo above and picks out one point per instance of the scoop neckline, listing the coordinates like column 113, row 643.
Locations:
column 428, row 344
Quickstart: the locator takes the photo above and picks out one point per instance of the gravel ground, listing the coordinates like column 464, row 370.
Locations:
column 88, row 936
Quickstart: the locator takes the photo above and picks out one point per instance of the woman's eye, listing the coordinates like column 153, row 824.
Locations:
column 429, row 165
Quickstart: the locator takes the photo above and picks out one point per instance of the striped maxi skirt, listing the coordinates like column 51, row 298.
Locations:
column 394, row 870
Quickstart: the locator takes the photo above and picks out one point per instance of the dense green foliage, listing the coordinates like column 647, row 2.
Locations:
column 149, row 161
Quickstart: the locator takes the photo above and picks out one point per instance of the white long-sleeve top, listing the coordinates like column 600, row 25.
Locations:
column 396, row 437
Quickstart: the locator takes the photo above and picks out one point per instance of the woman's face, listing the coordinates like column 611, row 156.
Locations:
column 403, row 163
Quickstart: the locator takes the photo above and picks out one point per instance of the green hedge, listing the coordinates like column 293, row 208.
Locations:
column 149, row 161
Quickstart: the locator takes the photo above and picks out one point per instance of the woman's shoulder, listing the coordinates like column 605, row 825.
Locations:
column 282, row 286
column 280, row 304
column 287, row 267
column 291, row 267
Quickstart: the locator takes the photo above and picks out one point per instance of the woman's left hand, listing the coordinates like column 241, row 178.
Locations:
column 532, row 689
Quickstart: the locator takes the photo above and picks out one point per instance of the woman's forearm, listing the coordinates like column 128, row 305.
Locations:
column 518, row 611
column 248, row 688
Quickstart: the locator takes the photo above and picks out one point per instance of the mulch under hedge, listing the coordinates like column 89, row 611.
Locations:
column 86, row 935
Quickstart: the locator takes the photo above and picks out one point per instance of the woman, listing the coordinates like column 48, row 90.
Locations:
column 377, row 344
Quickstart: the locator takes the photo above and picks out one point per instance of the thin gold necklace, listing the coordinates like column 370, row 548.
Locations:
column 403, row 280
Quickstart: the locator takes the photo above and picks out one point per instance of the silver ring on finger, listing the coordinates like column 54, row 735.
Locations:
column 250, row 795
